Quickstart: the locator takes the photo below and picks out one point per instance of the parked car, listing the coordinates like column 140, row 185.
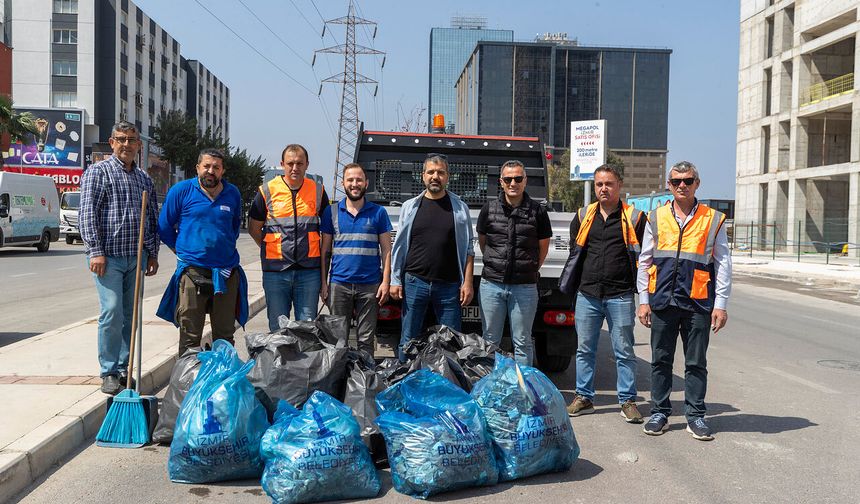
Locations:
column 70, row 202
column 29, row 211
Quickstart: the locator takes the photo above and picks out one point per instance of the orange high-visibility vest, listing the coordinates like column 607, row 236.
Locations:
column 291, row 234
column 568, row 282
column 683, row 267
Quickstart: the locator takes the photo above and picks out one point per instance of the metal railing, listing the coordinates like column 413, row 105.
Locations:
column 827, row 89
column 757, row 238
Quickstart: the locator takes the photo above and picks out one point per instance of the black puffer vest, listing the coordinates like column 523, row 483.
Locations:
column 511, row 252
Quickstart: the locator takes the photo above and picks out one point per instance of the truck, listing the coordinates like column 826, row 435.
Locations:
column 29, row 211
column 393, row 162
column 70, row 203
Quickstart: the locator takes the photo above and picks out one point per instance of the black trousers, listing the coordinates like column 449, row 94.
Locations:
column 694, row 329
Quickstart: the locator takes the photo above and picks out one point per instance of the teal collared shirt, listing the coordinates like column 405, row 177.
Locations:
column 463, row 235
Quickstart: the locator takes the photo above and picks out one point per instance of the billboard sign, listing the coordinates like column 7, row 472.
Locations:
column 587, row 148
column 58, row 144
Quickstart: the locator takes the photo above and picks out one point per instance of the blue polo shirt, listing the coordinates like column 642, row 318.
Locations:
column 203, row 232
column 355, row 245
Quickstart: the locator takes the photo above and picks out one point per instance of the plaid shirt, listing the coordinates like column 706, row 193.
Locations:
column 110, row 210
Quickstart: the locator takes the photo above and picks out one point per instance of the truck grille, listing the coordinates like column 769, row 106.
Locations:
column 71, row 220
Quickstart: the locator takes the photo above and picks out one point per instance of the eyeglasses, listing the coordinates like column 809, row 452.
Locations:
column 126, row 140
column 687, row 181
column 518, row 179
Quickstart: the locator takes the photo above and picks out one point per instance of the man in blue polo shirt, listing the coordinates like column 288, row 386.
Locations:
column 200, row 222
column 356, row 236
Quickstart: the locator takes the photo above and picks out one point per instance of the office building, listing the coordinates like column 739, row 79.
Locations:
column 449, row 50
column 798, row 140
column 208, row 99
column 538, row 88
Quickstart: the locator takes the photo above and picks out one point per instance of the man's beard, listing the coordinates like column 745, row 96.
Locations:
column 356, row 198
column 435, row 188
column 209, row 182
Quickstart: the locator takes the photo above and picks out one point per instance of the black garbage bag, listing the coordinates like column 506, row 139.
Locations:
column 181, row 378
column 362, row 385
column 300, row 358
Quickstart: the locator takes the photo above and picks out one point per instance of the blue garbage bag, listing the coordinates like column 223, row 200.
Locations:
column 527, row 420
column 435, row 436
column 220, row 423
column 316, row 454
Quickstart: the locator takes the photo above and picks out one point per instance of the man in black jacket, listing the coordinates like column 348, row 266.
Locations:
column 601, row 274
column 513, row 233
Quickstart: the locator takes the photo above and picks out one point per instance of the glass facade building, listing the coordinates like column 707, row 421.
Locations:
column 538, row 88
column 449, row 50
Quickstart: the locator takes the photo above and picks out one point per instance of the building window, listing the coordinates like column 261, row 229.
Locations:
column 138, row 85
column 123, row 110
column 124, row 17
column 65, row 67
column 123, row 47
column 65, row 36
column 65, row 6
column 123, row 77
column 64, row 99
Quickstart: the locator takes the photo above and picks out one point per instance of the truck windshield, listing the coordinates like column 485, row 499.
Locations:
column 71, row 201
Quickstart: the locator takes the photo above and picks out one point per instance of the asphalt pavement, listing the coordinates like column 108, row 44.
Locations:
column 44, row 291
column 784, row 386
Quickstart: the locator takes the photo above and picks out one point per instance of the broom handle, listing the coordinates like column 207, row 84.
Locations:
column 137, row 279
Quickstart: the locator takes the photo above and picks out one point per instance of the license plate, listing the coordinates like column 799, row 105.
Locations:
column 471, row 313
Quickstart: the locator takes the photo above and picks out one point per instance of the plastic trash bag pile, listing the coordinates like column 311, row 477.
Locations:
column 435, row 435
column 181, row 378
column 220, row 423
column 527, row 421
column 316, row 454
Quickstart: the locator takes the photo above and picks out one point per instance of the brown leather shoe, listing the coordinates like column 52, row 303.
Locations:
column 630, row 412
column 580, row 406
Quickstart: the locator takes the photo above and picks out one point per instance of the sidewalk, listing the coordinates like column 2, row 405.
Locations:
column 50, row 388
column 808, row 273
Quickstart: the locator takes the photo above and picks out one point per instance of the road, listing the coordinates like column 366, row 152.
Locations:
column 44, row 291
column 783, row 397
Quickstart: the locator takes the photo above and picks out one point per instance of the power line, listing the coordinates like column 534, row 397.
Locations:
column 308, row 63
column 254, row 48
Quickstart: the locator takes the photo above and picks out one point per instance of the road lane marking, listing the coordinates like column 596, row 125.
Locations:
column 828, row 321
column 797, row 379
column 67, row 268
column 21, row 275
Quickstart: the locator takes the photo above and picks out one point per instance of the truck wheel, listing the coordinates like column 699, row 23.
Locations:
column 552, row 363
column 45, row 243
column 70, row 239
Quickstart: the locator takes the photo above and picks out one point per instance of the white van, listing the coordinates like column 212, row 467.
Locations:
column 70, row 203
column 29, row 211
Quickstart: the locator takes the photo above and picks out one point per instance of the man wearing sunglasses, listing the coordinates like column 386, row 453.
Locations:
column 684, row 283
column 111, row 193
column 513, row 233
column 600, row 274
column 432, row 256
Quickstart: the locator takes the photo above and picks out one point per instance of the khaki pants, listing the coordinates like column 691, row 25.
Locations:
column 192, row 308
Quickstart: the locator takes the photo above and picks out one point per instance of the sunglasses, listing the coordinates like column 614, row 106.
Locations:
column 126, row 140
column 518, row 179
column 689, row 181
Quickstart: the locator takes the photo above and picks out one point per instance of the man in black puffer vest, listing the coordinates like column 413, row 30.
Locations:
column 513, row 233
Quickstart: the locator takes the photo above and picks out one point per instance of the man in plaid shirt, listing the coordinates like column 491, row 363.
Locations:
column 111, row 193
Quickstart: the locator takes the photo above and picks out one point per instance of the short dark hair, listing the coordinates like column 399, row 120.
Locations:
column 123, row 126
column 350, row 166
column 608, row 168
column 511, row 164
column 293, row 148
column 211, row 152
column 435, row 159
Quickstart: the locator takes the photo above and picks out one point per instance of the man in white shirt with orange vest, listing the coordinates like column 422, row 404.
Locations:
column 684, row 283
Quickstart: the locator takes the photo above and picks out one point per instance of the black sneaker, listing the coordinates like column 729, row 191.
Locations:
column 656, row 424
column 110, row 385
column 123, row 380
column 700, row 430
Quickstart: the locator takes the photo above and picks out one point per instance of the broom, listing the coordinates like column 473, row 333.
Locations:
column 125, row 425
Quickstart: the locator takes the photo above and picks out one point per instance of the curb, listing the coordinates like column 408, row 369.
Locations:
column 31, row 456
column 794, row 278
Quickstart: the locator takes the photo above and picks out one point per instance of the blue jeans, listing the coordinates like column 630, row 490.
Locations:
column 619, row 313
column 517, row 301
column 417, row 296
column 294, row 288
column 116, row 299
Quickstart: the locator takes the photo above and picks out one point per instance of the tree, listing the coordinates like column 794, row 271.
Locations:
column 569, row 192
column 246, row 174
column 176, row 134
column 19, row 126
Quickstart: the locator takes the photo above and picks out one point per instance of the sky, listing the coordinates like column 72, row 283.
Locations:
column 274, row 89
